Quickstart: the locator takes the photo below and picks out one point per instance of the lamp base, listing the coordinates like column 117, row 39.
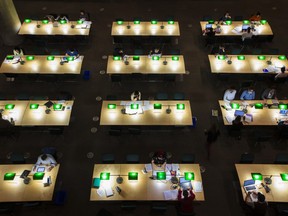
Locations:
column 165, row 62
column 168, row 110
column 119, row 180
column 229, row 62
column 268, row 180
column 162, row 26
column 269, row 62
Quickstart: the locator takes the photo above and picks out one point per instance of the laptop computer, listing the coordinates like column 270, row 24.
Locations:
column 208, row 26
column 283, row 112
column 245, row 27
column 185, row 184
column 239, row 113
column 40, row 169
column 249, row 185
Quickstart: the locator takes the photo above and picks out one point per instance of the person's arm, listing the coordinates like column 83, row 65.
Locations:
column 242, row 97
column 192, row 195
column 179, row 197
column 263, row 96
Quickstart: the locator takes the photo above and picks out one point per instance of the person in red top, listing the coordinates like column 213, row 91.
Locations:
column 186, row 203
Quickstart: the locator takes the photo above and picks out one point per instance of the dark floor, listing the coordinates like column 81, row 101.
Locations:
column 201, row 87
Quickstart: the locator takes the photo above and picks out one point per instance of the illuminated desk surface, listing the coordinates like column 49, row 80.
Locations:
column 146, row 114
column 142, row 189
column 49, row 29
column 16, row 191
column 24, row 116
column 251, row 63
column 146, row 65
column 279, row 188
column 263, row 116
column 235, row 29
column 40, row 65
column 145, row 29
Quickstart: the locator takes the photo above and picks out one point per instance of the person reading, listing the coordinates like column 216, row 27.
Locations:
column 46, row 160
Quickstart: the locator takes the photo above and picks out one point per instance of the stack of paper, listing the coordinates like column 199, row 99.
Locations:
column 170, row 194
column 148, row 167
column 197, row 186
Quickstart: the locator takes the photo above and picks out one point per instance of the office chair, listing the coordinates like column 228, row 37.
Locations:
column 161, row 96
column 188, row 158
column 246, row 158
column 132, row 158
column 281, row 158
column 178, row 96
column 108, row 158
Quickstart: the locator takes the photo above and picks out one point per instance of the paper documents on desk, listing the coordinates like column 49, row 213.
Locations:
column 197, row 186
column 168, row 167
column 229, row 118
column 101, row 192
column 175, row 167
column 170, row 194
column 109, row 191
column 148, row 167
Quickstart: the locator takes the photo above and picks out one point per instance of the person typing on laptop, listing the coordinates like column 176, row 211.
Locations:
column 185, row 199
column 46, row 160
column 256, row 200
column 248, row 94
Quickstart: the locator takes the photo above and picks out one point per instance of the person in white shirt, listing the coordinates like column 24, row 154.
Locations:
column 247, row 34
column 47, row 160
column 135, row 96
column 283, row 74
column 229, row 95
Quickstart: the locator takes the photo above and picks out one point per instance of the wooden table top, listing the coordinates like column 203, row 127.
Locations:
column 263, row 116
column 40, row 65
column 149, row 116
column 146, row 65
column 16, row 191
column 145, row 29
column 279, row 188
column 251, row 64
column 24, row 116
column 142, row 189
column 49, row 29
column 235, row 29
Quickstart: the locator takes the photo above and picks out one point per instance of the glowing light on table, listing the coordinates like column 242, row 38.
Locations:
column 38, row 115
column 120, row 29
column 155, row 65
column 35, row 66
column 174, row 66
column 112, row 115
column 31, row 29
column 72, row 66
column 49, row 29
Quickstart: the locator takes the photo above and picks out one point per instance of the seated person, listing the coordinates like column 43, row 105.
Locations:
column 222, row 50
column 225, row 18
column 84, row 16
column 248, row 94
column 282, row 75
column 120, row 52
column 255, row 17
column 70, row 53
column 62, row 17
column 210, row 32
column 229, row 95
column 159, row 160
column 269, row 93
column 51, row 17
column 18, row 53
column 136, row 96
column 247, row 34
column 186, row 203
column 47, row 160
column 5, row 123
column 155, row 52
column 259, row 207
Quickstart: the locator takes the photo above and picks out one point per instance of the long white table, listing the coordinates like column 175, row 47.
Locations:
column 16, row 191
column 247, row 64
column 279, row 188
column 23, row 115
column 146, row 65
column 69, row 28
column 144, row 188
column 146, row 114
column 41, row 65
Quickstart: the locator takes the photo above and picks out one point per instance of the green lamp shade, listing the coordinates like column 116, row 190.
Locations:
column 154, row 21
column 246, row 22
column 50, row 58
column 228, row 22
column 221, row 57
column 257, row 176
column 45, row 21
column 111, row 106
column 282, row 106
column 241, row 57
column 9, row 57
column 235, row 105
column 34, row 106
column 38, row 175
column 29, row 58
column 155, row 58
column 261, row 57
column 282, row 57
column 134, row 106
column 117, row 58
column 27, row 20
column 133, row 176
column 284, row 176
column 136, row 22
column 63, row 21
column 104, row 176
column 180, row 106
column 9, row 176
column 9, row 106
column 258, row 106
column 161, row 176
column 211, row 21
column 189, row 176
column 120, row 22
column 70, row 58
column 175, row 58
column 57, row 107
column 136, row 58
column 158, row 106
column 80, row 22
column 263, row 22
column 171, row 22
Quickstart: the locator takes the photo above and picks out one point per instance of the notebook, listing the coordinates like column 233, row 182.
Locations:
column 239, row 113
column 185, row 184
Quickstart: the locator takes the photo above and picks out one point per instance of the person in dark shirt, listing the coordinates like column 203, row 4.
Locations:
column 159, row 158
column 212, row 135
column 259, row 208
column 186, row 203
column 210, row 32
column 269, row 93
column 225, row 18
column 84, row 16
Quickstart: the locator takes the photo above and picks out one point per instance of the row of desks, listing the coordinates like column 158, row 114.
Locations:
column 24, row 116
column 142, row 189
column 265, row 116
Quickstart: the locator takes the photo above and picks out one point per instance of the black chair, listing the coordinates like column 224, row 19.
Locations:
column 281, row 158
column 108, row 158
column 238, row 18
column 256, row 51
column 132, row 158
column 17, row 158
column 188, row 158
column 206, row 18
column 178, row 96
column 116, row 79
column 161, row 96
column 159, row 207
column 246, row 158
column 236, row 51
column 22, row 96
column 134, row 131
column 115, row 131
column 111, row 97
column 128, row 205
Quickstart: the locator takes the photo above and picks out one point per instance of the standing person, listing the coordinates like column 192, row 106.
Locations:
column 186, row 203
column 259, row 207
column 212, row 135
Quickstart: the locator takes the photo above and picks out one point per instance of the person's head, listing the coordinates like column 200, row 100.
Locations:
column 248, row 29
column 222, row 47
column 250, row 90
column 237, row 119
column 258, row 14
column 227, row 14
column 82, row 12
column 43, row 156
column 261, row 197
column 185, row 194
column 156, row 50
column 210, row 29
column 231, row 89
column 283, row 69
column 17, row 49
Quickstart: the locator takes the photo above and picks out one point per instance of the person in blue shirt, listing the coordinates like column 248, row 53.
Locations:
column 248, row 94
column 70, row 53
